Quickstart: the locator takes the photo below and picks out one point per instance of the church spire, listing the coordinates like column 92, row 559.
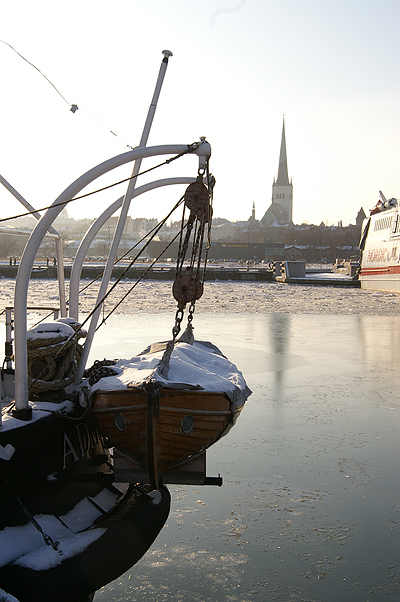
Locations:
column 282, row 189
column 283, row 177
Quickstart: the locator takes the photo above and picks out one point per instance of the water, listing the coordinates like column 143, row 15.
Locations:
column 310, row 509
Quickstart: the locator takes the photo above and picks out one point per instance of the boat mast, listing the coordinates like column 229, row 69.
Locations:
column 122, row 219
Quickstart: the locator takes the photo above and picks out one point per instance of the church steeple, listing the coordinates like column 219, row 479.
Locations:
column 282, row 189
column 283, row 177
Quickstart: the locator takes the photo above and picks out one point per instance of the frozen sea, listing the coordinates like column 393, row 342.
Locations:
column 310, row 506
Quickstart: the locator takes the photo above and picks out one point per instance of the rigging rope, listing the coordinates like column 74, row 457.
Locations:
column 73, row 107
column 189, row 283
column 187, row 286
column 129, row 266
column 41, row 73
column 47, row 539
column 136, row 283
column 89, row 284
column 149, row 233
column 153, row 232
column 190, row 149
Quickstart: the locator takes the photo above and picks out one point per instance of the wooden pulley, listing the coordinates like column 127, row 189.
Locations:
column 196, row 197
column 206, row 214
column 186, row 289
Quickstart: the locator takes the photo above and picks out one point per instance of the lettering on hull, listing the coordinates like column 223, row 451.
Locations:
column 79, row 441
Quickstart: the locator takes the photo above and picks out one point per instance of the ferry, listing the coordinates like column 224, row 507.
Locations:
column 380, row 247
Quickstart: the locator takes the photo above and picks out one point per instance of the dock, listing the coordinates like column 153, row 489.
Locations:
column 321, row 281
column 295, row 272
column 286, row 272
column 92, row 270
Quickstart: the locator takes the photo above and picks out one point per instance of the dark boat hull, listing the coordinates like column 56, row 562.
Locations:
column 56, row 446
column 59, row 463
column 129, row 531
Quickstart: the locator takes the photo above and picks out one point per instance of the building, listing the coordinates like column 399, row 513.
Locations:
column 280, row 212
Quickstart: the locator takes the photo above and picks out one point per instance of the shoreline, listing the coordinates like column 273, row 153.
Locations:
column 155, row 296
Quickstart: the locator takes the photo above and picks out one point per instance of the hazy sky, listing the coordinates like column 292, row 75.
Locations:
column 331, row 66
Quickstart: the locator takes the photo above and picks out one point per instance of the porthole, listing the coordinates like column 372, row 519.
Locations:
column 120, row 421
column 187, row 424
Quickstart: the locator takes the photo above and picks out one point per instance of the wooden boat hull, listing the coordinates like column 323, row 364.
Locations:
column 162, row 428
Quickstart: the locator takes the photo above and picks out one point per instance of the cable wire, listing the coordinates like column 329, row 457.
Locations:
column 73, row 107
column 190, row 149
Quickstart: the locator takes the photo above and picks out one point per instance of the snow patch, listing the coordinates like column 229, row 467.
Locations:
column 4, row 597
column 200, row 365
column 40, row 409
column 50, row 329
column 156, row 497
column 25, row 541
column 46, row 557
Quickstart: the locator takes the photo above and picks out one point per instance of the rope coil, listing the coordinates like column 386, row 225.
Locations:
column 53, row 356
column 100, row 369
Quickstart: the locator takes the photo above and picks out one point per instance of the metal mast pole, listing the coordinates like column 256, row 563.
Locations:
column 122, row 219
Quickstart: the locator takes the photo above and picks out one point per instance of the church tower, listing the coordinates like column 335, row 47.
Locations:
column 282, row 189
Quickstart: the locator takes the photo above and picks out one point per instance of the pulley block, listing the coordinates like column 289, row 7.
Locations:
column 186, row 289
column 196, row 197
column 208, row 211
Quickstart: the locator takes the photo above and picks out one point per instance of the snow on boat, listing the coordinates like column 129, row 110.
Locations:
column 162, row 421
column 61, row 510
column 75, row 553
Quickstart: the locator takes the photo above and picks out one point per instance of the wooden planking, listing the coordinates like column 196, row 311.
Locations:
column 182, row 440
column 165, row 423
column 191, row 400
column 176, row 417
column 197, row 400
column 212, row 413
column 194, row 434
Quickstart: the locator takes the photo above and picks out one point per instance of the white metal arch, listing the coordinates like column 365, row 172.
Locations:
column 203, row 150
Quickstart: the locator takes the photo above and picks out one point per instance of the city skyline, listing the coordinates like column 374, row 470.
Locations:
column 237, row 67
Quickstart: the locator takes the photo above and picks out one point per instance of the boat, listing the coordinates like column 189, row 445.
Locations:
column 380, row 247
column 66, row 526
column 86, row 453
column 161, row 420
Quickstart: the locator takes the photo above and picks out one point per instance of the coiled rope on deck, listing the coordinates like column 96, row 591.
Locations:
column 53, row 355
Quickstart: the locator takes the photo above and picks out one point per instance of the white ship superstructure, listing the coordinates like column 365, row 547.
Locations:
column 380, row 247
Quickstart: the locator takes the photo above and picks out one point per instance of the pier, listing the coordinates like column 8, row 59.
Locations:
column 285, row 272
column 295, row 272
column 164, row 271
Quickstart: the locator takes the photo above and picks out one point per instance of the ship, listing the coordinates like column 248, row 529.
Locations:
column 380, row 247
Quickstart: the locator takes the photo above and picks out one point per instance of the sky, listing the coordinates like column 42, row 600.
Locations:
column 330, row 66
